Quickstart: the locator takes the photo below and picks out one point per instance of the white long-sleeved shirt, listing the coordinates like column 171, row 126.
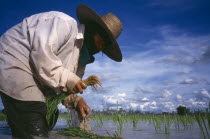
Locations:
column 43, row 49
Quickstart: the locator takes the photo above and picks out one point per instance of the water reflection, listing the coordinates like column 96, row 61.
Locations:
column 4, row 129
column 143, row 130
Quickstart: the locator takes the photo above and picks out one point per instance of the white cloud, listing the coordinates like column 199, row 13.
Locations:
column 195, row 80
column 202, row 94
column 167, row 93
column 168, row 106
column 197, row 104
column 148, row 106
column 122, row 94
column 111, row 100
column 190, row 80
column 145, row 99
column 205, row 93
column 179, row 98
column 134, row 105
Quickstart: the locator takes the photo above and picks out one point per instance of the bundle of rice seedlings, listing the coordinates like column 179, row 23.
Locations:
column 93, row 81
column 52, row 109
column 77, row 132
column 53, row 101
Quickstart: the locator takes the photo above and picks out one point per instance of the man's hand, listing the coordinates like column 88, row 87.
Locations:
column 83, row 109
column 79, row 87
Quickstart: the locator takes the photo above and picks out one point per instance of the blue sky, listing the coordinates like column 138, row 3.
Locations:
column 165, row 46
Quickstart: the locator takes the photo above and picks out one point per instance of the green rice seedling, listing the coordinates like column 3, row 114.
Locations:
column 77, row 132
column 126, row 118
column 156, row 123
column 118, row 118
column 167, row 124
column 156, row 129
column 98, row 120
column 208, row 120
column 205, row 126
column 176, row 121
column 184, row 121
column 53, row 101
column 208, row 116
column 95, row 121
column 203, row 122
column 160, row 122
column 199, row 121
column 120, row 122
column 134, row 119
column 190, row 121
column 65, row 116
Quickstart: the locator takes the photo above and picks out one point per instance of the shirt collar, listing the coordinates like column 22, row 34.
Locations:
column 81, row 30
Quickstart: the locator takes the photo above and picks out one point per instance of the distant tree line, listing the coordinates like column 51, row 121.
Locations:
column 181, row 110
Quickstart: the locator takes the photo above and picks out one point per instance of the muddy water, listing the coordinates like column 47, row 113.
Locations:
column 142, row 131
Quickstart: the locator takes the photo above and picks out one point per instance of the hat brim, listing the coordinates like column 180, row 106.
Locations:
column 87, row 15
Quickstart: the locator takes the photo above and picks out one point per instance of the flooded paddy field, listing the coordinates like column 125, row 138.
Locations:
column 135, row 127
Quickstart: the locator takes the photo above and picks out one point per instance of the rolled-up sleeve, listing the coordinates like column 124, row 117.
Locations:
column 49, row 35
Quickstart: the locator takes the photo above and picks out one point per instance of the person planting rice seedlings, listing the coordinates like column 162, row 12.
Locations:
column 46, row 54
column 81, row 120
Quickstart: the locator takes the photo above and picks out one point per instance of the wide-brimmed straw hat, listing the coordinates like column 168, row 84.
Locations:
column 110, row 24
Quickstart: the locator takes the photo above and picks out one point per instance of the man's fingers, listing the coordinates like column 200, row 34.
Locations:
column 82, row 112
column 75, row 89
column 79, row 88
column 88, row 112
column 72, row 91
column 83, row 85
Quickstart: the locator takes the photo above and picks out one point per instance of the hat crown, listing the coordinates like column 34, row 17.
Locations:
column 113, row 24
column 110, row 25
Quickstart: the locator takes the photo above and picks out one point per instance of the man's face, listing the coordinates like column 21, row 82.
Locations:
column 93, row 41
column 99, row 42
